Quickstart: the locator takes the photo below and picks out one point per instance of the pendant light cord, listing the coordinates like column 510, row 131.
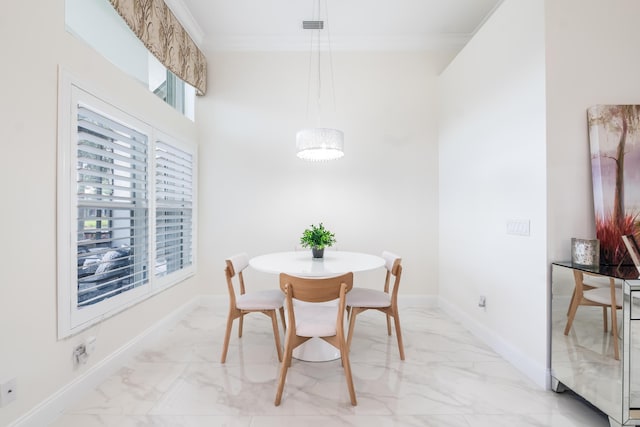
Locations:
column 333, row 89
column 317, row 8
column 313, row 8
column 319, row 69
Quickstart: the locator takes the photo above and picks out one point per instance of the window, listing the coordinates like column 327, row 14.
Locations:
column 112, row 186
column 170, row 88
column 126, row 221
column 174, row 217
column 98, row 24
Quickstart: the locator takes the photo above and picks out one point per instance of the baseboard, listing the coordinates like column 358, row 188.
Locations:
column 539, row 374
column 52, row 407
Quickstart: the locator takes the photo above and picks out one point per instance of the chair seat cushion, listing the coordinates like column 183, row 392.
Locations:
column 315, row 320
column 363, row 297
column 603, row 296
column 260, row 300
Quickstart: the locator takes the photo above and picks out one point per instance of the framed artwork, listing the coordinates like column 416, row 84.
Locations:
column 632, row 246
column 614, row 138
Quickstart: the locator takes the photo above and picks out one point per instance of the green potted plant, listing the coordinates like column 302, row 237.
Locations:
column 317, row 238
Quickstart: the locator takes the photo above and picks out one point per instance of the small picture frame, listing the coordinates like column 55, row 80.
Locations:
column 632, row 246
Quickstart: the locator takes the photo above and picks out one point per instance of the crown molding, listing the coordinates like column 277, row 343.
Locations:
column 338, row 43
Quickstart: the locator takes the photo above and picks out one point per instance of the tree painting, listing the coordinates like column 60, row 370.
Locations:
column 614, row 135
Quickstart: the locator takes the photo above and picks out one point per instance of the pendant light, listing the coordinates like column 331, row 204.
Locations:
column 319, row 143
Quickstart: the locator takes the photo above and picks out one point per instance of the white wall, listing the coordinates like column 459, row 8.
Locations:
column 591, row 59
column 29, row 350
column 492, row 169
column 99, row 25
column 258, row 196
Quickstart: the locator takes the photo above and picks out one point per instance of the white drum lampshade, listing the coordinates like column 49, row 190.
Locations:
column 318, row 144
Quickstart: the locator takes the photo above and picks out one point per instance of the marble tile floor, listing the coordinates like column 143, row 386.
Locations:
column 449, row 378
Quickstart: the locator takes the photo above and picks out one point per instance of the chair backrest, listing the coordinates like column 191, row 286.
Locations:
column 393, row 264
column 391, row 261
column 316, row 290
column 235, row 265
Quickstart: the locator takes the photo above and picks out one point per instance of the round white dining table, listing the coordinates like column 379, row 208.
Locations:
column 302, row 264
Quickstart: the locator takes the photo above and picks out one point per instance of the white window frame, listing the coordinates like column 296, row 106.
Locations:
column 72, row 319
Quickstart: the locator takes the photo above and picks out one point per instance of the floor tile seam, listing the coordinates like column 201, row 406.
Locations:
column 169, row 387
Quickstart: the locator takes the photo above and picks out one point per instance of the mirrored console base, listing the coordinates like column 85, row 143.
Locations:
column 558, row 387
column 588, row 356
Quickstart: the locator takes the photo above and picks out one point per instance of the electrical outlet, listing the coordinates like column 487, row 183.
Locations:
column 80, row 354
column 8, row 392
column 482, row 302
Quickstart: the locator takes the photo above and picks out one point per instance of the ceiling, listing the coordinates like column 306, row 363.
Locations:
column 353, row 24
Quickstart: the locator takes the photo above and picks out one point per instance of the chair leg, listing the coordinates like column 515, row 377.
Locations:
column 283, row 376
column 284, row 367
column 240, row 325
column 605, row 318
column 573, row 296
column 388, row 324
column 227, row 336
column 396, row 321
column 614, row 329
column 276, row 333
column 290, row 355
column 572, row 314
column 284, row 322
column 352, row 324
column 346, row 364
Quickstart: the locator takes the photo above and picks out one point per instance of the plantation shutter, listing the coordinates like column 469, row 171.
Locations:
column 112, row 201
column 174, row 209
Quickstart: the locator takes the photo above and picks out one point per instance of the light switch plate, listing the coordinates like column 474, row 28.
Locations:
column 518, row 227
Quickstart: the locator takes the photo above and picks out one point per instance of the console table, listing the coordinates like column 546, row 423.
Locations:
column 584, row 359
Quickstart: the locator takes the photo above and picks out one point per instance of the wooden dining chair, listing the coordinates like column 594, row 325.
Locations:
column 266, row 302
column 308, row 321
column 591, row 281
column 605, row 297
column 385, row 301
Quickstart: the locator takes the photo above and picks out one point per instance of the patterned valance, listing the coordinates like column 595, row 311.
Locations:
column 157, row 27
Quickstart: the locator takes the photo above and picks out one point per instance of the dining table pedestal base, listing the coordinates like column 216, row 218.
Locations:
column 316, row 350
